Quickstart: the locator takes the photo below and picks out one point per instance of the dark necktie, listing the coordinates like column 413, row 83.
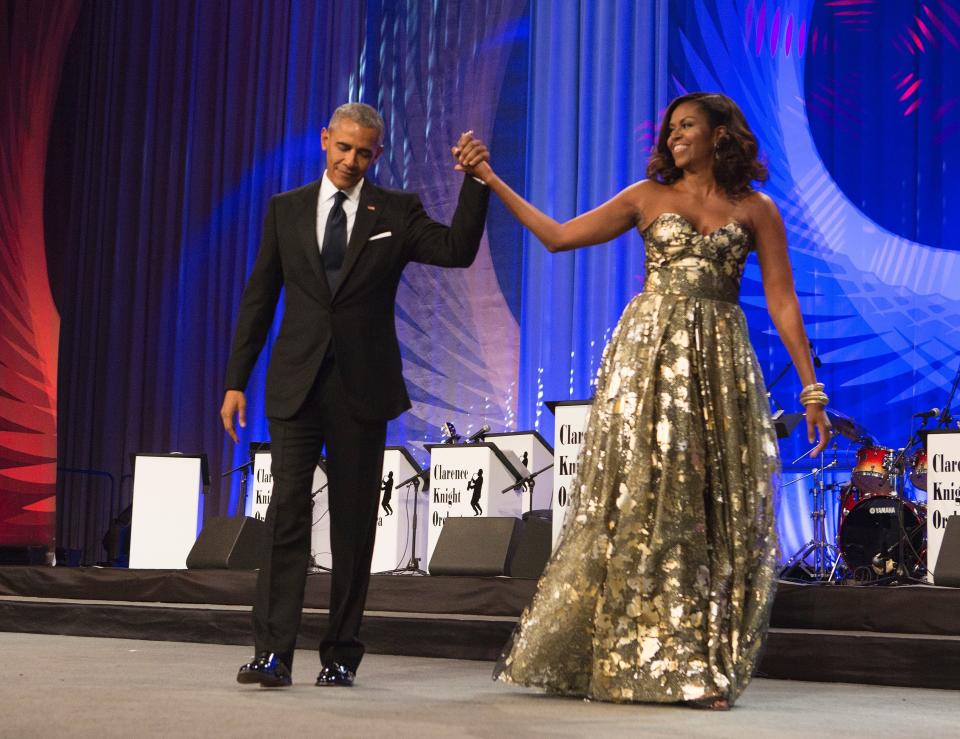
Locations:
column 334, row 241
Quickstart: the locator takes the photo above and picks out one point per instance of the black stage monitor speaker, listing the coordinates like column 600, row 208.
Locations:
column 534, row 546
column 475, row 546
column 228, row 543
column 947, row 571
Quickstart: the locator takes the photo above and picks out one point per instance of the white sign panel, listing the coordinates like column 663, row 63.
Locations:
column 259, row 486
column 320, row 553
column 393, row 521
column 943, row 489
column 260, row 490
column 466, row 480
column 166, row 507
column 569, row 426
column 534, row 454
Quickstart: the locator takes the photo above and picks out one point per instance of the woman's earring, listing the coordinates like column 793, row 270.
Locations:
column 716, row 148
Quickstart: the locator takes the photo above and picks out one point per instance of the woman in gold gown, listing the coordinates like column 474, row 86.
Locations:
column 660, row 587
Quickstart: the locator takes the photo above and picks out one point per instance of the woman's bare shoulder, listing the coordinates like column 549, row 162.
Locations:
column 646, row 196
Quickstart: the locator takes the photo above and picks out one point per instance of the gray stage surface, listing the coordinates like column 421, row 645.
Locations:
column 67, row 686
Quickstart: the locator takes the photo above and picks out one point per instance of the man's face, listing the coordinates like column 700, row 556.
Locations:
column 351, row 149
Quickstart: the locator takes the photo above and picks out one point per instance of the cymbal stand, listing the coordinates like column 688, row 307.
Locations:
column 899, row 470
column 826, row 556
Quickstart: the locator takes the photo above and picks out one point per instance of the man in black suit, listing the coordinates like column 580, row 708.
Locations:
column 338, row 246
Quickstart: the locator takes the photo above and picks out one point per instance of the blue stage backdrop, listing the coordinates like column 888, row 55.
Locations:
column 177, row 120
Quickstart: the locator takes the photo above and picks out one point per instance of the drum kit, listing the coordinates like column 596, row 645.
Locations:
column 880, row 534
column 881, row 529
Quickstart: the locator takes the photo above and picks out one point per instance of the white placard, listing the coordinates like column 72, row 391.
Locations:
column 393, row 529
column 320, row 553
column 166, row 510
column 568, row 428
column 534, row 454
column 466, row 480
column 395, row 517
column 259, row 485
column 943, row 489
column 260, row 490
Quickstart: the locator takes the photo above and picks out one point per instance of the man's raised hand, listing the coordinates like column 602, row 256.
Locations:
column 472, row 156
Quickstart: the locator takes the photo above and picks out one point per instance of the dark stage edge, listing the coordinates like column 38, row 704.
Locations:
column 904, row 636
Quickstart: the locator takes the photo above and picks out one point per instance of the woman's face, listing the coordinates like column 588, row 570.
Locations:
column 691, row 140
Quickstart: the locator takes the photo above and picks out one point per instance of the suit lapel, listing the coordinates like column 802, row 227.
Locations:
column 371, row 201
column 306, row 226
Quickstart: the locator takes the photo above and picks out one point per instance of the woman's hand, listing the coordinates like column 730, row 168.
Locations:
column 817, row 420
column 472, row 157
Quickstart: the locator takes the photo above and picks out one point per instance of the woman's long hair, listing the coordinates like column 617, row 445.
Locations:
column 736, row 163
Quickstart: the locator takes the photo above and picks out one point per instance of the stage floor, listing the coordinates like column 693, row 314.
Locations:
column 90, row 687
column 905, row 636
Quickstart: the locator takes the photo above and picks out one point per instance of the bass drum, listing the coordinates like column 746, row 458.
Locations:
column 869, row 537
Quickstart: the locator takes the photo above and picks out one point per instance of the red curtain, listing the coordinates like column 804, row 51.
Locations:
column 33, row 40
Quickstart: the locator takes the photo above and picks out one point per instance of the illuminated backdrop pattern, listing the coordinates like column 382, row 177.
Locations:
column 855, row 103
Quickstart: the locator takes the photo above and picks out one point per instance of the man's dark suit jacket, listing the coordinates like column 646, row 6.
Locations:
column 356, row 322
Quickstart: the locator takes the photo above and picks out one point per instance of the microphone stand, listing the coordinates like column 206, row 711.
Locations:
column 786, row 368
column 527, row 482
column 825, row 555
column 945, row 418
column 413, row 564
column 898, row 462
column 244, row 468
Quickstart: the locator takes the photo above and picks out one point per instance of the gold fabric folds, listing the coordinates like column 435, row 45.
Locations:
column 661, row 583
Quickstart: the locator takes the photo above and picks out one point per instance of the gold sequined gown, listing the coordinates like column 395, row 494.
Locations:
column 660, row 586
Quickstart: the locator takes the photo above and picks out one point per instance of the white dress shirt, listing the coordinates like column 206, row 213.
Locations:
column 325, row 203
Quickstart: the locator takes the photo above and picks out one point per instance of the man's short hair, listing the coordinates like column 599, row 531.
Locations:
column 361, row 114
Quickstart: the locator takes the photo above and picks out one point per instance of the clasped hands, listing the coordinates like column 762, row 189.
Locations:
column 472, row 157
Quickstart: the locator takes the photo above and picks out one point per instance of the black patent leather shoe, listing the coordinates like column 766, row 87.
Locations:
column 336, row 675
column 267, row 670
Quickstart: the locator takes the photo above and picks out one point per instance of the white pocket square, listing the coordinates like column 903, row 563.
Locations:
column 383, row 235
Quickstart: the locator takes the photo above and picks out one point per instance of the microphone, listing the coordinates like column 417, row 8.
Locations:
column 816, row 360
column 928, row 414
column 450, row 435
column 478, row 434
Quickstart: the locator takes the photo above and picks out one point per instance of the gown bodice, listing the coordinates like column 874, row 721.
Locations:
column 682, row 261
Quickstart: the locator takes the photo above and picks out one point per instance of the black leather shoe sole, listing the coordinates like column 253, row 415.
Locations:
column 334, row 683
column 248, row 677
column 275, row 681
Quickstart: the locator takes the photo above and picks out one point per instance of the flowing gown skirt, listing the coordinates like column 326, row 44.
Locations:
column 661, row 583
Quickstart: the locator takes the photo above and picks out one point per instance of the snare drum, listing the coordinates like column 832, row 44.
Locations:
column 873, row 474
column 918, row 469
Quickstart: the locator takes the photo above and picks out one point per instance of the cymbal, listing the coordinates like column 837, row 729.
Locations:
column 848, row 427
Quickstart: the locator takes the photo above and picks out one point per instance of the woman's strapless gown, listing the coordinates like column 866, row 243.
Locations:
column 661, row 583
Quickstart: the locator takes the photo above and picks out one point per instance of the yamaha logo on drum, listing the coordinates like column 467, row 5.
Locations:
column 882, row 509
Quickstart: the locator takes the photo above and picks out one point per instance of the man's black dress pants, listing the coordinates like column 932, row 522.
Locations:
column 354, row 452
